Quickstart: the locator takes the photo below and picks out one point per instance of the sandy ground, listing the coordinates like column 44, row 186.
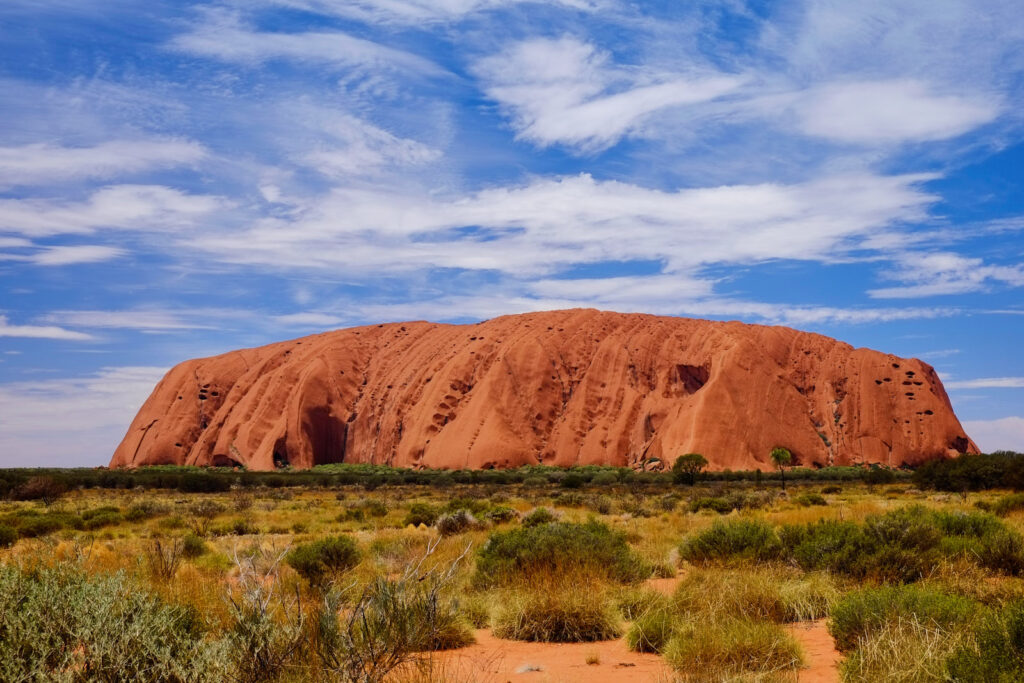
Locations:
column 491, row 660
column 820, row 649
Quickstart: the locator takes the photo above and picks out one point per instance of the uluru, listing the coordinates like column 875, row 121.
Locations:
column 572, row 387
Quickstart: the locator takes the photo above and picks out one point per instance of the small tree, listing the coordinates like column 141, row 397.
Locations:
column 688, row 466
column 782, row 459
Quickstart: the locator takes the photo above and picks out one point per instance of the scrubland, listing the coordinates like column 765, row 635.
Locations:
column 327, row 581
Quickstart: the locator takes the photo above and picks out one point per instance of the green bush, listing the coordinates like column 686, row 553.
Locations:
column 558, row 549
column 320, row 559
column 998, row 652
column 457, row 522
column 1009, row 503
column 539, row 516
column 862, row 612
column 809, row 499
column 719, row 505
column 61, row 624
column 500, row 514
column 651, row 632
column 726, row 649
column 733, row 539
column 102, row 519
column 421, row 513
column 193, row 546
column 605, row 479
column 8, row 536
column 558, row 614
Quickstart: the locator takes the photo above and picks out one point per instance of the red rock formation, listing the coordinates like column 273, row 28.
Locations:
column 558, row 388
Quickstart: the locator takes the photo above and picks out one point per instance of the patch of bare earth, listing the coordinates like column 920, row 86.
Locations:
column 820, row 652
column 499, row 661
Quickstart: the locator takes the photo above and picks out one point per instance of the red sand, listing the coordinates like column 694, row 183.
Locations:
column 820, row 650
column 491, row 659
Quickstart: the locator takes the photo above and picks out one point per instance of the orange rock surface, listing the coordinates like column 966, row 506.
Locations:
column 557, row 388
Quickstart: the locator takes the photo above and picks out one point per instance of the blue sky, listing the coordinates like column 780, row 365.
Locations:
column 184, row 178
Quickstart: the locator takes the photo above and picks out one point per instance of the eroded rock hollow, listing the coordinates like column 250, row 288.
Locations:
column 557, row 388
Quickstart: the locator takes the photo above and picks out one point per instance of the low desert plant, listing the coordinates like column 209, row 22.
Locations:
column 731, row 648
column 809, row 499
column 651, row 631
column 368, row 635
column 457, row 522
column 636, row 601
column 164, row 556
column 863, row 612
column 539, row 516
column 8, row 536
column 60, row 624
column 997, row 650
column 558, row 548
column 193, row 546
column 322, row 559
column 736, row 539
column 421, row 513
column 562, row 612
column 906, row 650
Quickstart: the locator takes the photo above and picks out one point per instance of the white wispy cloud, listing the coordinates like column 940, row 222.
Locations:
column 548, row 224
column 988, row 383
column 349, row 145
column 891, row 111
column 418, row 11
column 44, row 163
column 224, row 36
column 124, row 207
column 1006, row 433
column 82, row 418
column 73, row 254
column 943, row 273
column 566, row 91
column 131, row 319
column 40, row 332
column 309, row 319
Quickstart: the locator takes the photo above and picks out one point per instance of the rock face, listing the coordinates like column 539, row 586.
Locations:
column 558, row 388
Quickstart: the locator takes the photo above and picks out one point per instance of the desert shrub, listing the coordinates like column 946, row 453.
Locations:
column 558, row 548
column 8, row 536
column 456, row 523
column 193, row 546
column 421, row 513
column 45, row 489
column 997, row 653
column 831, row 489
column 1008, row 503
column 809, row 499
column 905, row 651
column 669, row 501
column 163, row 556
column 476, row 609
column 101, row 519
column 367, row 635
column 33, row 527
column 573, row 481
column 321, row 559
column 500, row 514
column 61, row 624
column 733, row 539
column 570, row 499
column 539, row 516
column 145, row 510
column 563, row 613
column 602, row 505
column 535, row 482
column 634, row 601
column 716, row 504
column 651, row 631
column 605, row 479
column 860, row 613
column 731, row 648
column 242, row 527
